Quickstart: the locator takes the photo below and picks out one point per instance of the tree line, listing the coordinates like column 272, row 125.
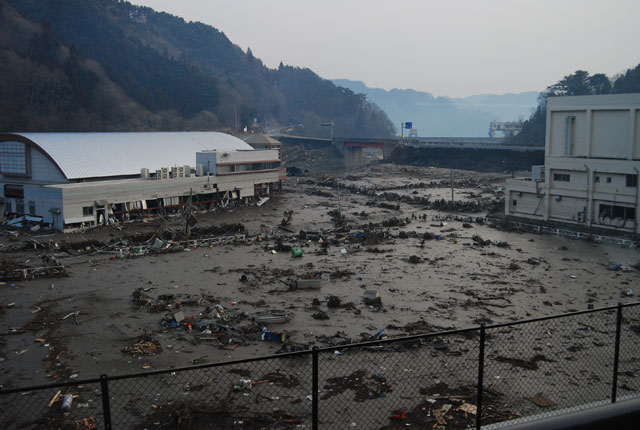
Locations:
column 580, row 83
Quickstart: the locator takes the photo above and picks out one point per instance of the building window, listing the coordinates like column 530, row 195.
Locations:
column 514, row 202
column 597, row 179
column 32, row 207
column 13, row 158
column 632, row 180
column 247, row 167
column 561, row 177
column 19, row 206
column 608, row 179
column 615, row 211
column 87, row 210
column 8, row 208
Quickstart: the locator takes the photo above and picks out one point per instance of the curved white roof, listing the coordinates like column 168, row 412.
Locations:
column 87, row 155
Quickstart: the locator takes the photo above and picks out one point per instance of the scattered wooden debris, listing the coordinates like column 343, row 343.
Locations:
column 145, row 346
column 541, row 401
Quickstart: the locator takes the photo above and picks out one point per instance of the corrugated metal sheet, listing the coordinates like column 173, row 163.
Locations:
column 87, row 155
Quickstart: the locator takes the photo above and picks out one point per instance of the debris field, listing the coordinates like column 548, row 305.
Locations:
column 331, row 260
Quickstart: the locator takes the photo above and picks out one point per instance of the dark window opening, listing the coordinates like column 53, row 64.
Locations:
column 515, row 202
column 597, row 179
column 87, row 210
column 32, row 207
column 561, row 177
column 632, row 180
column 615, row 211
column 608, row 179
column 16, row 191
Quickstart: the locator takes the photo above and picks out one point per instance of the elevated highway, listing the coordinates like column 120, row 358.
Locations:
column 469, row 142
column 352, row 148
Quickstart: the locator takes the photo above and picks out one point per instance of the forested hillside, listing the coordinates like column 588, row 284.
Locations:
column 102, row 65
column 580, row 83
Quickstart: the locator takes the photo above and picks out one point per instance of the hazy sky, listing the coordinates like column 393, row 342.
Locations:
column 445, row 47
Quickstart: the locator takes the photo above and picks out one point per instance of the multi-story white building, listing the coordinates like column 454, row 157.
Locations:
column 592, row 164
column 69, row 180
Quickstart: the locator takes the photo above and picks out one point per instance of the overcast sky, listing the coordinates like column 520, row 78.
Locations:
column 446, row 47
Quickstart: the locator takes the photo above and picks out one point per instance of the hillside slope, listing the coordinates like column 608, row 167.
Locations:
column 109, row 65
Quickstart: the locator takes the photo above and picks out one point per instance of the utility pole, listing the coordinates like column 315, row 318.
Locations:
column 187, row 227
column 339, row 204
column 235, row 116
column 452, row 185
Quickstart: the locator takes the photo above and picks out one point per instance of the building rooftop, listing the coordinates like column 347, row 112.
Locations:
column 91, row 155
column 625, row 100
column 260, row 139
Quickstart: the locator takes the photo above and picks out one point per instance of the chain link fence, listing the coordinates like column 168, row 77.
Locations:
column 490, row 376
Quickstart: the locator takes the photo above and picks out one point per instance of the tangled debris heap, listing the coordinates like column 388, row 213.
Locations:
column 211, row 323
column 11, row 270
column 146, row 345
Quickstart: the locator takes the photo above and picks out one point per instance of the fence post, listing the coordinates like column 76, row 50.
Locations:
column 616, row 355
column 106, row 408
column 480, row 378
column 314, row 388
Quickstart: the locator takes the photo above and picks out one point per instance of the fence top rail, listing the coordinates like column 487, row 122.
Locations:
column 150, row 373
column 470, row 329
column 565, row 315
column 210, row 365
column 50, row 386
column 307, row 352
column 398, row 339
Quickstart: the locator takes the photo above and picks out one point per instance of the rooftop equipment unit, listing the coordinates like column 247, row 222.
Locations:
column 537, row 173
column 178, row 172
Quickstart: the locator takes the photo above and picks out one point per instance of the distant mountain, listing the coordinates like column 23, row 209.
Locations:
column 507, row 107
column 444, row 116
column 105, row 65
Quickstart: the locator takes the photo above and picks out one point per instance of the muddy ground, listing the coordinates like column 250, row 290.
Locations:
column 434, row 266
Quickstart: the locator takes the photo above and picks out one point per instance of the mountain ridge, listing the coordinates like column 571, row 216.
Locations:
column 446, row 116
column 106, row 65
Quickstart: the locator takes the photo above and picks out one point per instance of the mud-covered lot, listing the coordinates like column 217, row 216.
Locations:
column 137, row 297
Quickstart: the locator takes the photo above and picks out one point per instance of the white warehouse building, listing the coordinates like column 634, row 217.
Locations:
column 592, row 163
column 69, row 180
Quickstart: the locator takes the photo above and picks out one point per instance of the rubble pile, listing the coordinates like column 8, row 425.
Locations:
column 12, row 270
column 479, row 205
column 446, row 407
column 210, row 322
